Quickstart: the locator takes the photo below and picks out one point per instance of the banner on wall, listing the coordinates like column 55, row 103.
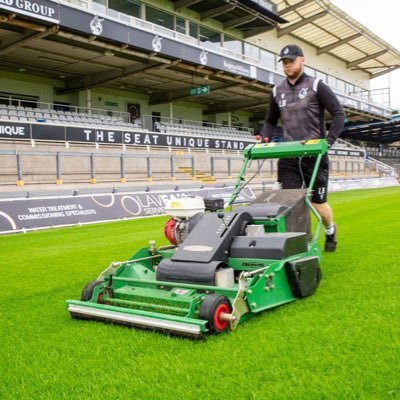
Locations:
column 15, row 130
column 30, row 214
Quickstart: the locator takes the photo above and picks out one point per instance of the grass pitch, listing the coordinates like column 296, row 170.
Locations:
column 341, row 343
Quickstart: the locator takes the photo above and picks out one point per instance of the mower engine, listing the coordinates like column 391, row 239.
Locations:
column 185, row 214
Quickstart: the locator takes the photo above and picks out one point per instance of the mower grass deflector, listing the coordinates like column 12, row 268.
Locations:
column 222, row 268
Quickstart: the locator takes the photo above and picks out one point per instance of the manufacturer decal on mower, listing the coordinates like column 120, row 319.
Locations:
column 181, row 292
column 198, row 248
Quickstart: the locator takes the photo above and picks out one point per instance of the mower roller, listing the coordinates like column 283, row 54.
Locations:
column 222, row 267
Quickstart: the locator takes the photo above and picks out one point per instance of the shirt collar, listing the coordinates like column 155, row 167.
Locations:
column 301, row 78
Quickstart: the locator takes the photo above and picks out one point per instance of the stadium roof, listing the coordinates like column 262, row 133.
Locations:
column 326, row 27
column 379, row 132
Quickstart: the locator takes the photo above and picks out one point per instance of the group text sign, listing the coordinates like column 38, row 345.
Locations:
column 152, row 139
column 41, row 9
column 15, row 130
column 29, row 214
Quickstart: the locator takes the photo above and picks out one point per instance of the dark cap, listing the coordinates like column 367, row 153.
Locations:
column 291, row 51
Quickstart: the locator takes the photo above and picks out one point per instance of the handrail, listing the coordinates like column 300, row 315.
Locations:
column 58, row 155
column 382, row 167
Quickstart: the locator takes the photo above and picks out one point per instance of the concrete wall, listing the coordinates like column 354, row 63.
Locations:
column 40, row 166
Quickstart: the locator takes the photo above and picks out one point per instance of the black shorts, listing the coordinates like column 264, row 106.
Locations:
column 295, row 173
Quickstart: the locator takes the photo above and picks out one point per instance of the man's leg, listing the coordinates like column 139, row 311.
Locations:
column 325, row 211
column 319, row 201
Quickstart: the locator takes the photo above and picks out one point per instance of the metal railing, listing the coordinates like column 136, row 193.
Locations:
column 58, row 174
column 86, row 164
column 382, row 168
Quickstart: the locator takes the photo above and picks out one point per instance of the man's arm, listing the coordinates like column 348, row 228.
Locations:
column 271, row 119
column 331, row 103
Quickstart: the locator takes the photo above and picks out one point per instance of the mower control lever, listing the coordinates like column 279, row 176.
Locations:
column 221, row 215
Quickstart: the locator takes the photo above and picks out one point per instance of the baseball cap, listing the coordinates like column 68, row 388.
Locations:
column 291, row 51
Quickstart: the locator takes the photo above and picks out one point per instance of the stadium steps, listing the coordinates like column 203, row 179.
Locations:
column 198, row 175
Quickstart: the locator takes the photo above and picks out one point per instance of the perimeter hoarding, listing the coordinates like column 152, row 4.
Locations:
column 29, row 214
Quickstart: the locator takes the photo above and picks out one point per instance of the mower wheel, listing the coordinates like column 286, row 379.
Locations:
column 212, row 309
column 87, row 292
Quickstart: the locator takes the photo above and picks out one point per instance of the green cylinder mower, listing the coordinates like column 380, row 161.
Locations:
column 221, row 267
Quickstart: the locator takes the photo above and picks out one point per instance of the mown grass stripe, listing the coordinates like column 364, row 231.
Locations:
column 341, row 343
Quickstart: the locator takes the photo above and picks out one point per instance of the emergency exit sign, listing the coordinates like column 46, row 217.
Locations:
column 198, row 90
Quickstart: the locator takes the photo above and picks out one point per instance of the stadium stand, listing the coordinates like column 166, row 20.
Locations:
column 105, row 92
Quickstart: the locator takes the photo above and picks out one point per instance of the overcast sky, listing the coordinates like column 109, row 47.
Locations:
column 382, row 18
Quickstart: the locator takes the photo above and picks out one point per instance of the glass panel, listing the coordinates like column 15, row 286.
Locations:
column 180, row 25
column 159, row 17
column 129, row 7
column 18, row 100
column 193, row 30
column 232, row 44
column 99, row 6
column 322, row 76
column 332, row 81
column 251, row 51
column 309, row 71
column 340, row 85
column 267, row 59
column 350, row 89
column 209, row 37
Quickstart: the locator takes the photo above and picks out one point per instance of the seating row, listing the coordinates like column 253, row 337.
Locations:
column 29, row 114
column 60, row 117
column 198, row 130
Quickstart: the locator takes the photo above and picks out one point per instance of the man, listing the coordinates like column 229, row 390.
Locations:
column 300, row 101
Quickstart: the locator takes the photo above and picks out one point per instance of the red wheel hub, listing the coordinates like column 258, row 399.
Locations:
column 220, row 324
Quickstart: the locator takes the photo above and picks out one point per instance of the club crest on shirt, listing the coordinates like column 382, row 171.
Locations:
column 303, row 93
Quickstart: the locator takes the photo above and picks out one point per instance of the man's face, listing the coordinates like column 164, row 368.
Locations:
column 293, row 68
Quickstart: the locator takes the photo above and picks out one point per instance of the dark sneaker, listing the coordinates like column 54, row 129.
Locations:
column 330, row 241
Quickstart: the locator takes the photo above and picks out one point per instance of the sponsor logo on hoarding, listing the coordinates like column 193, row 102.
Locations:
column 238, row 69
column 156, row 44
column 203, row 57
column 33, row 8
column 49, row 212
column 96, row 25
column 271, row 78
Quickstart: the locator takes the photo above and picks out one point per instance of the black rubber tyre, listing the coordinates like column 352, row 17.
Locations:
column 211, row 309
column 87, row 292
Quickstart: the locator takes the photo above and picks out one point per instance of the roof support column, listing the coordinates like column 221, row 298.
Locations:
column 88, row 98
